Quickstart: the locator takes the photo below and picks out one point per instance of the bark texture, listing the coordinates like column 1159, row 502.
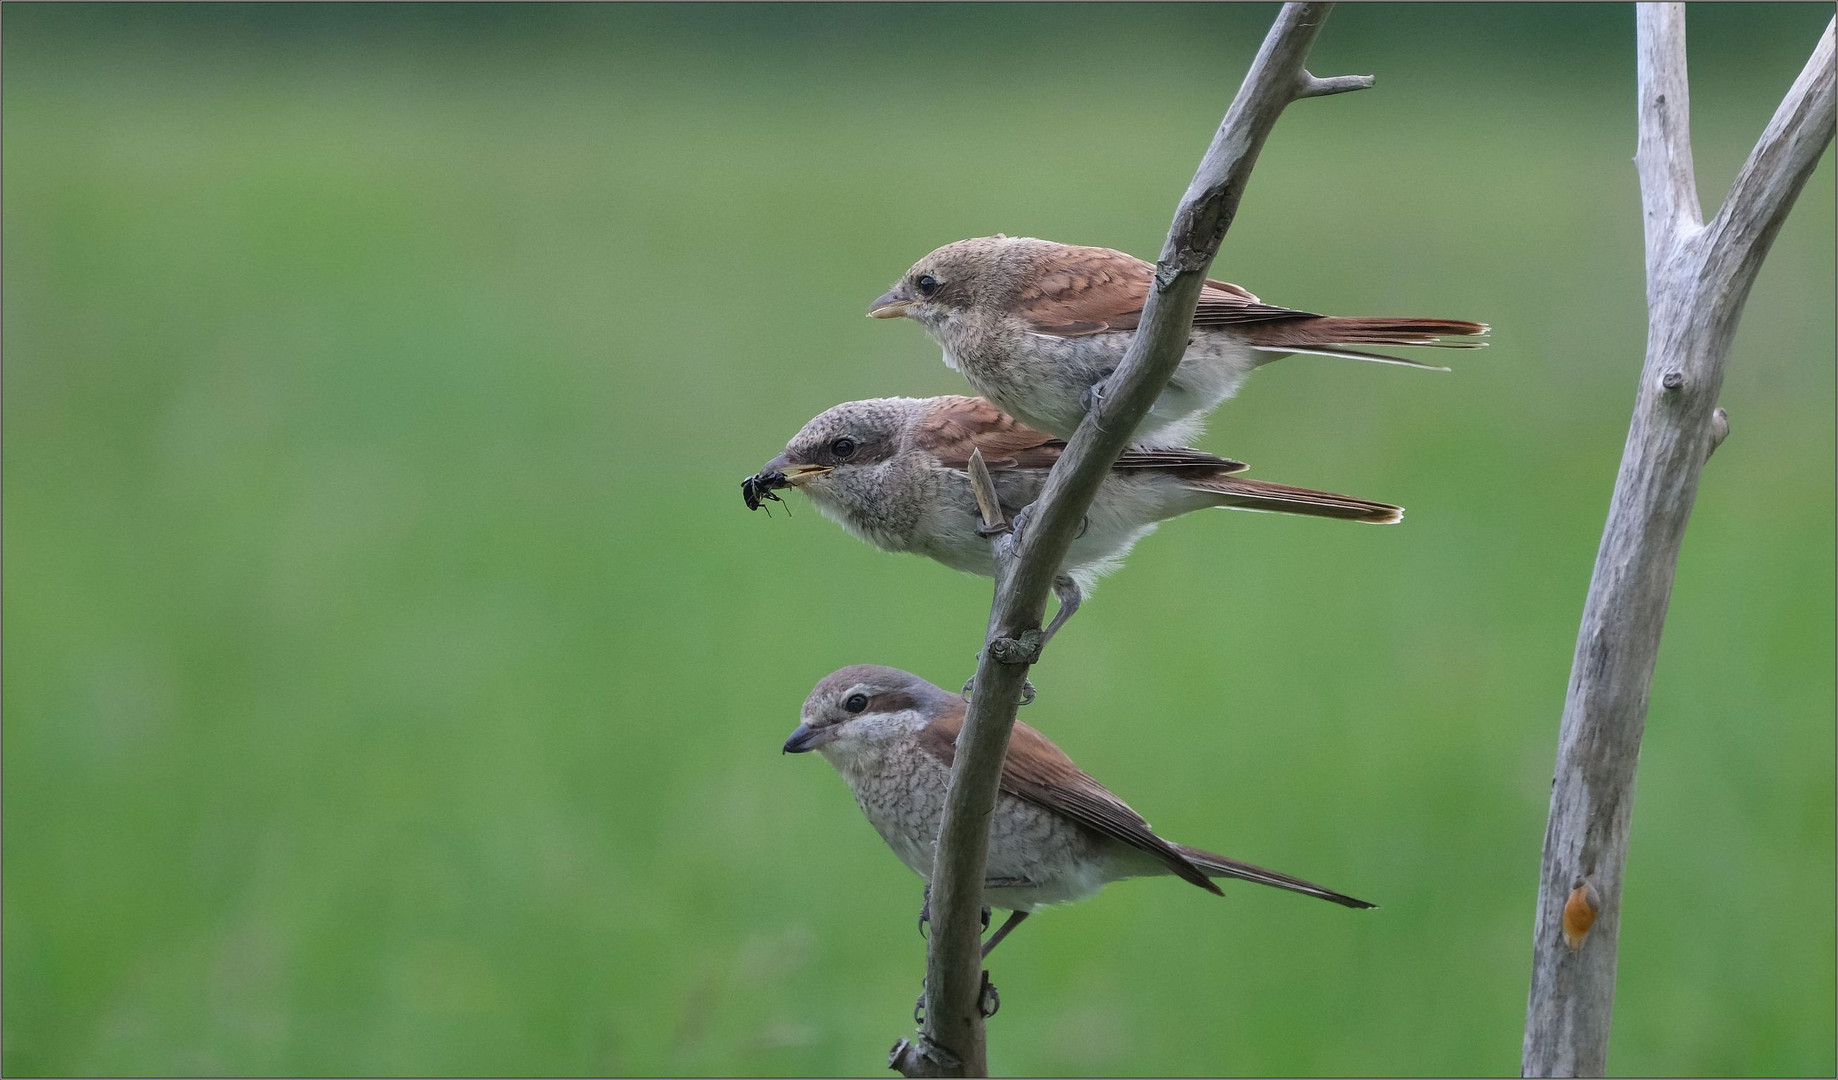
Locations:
column 1698, row 277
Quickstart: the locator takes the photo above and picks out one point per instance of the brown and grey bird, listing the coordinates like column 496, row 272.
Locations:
column 895, row 472
column 1038, row 327
column 1056, row 835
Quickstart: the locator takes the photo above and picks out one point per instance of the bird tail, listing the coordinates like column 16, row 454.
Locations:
column 1329, row 335
column 1220, row 866
column 1240, row 493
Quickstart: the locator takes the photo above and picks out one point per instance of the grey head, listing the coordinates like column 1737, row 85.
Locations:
column 982, row 272
column 853, row 436
column 866, row 702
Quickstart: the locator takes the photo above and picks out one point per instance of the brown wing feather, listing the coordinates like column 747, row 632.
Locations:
column 1087, row 290
column 1179, row 459
column 1036, row 771
column 1225, row 304
column 956, row 424
column 1245, row 493
column 1217, row 310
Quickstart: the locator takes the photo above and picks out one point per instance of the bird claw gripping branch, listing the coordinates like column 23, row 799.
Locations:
column 988, row 1002
column 1027, row 691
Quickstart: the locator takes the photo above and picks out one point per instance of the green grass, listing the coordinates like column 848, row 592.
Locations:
column 394, row 680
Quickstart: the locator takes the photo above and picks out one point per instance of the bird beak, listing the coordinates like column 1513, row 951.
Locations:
column 807, row 738
column 776, row 475
column 891, row 305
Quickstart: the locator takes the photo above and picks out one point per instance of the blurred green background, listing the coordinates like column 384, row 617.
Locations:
column 394, row 681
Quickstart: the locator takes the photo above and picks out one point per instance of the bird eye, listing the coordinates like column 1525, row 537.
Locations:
column 927, row 285
column 856, row 702
column 843, row 447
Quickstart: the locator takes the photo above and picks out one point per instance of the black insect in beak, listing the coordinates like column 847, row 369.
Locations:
column 760, row 488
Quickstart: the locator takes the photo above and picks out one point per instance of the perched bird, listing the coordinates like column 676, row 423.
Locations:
column 1056, row 835
column 894, row 471
column 1038, row 327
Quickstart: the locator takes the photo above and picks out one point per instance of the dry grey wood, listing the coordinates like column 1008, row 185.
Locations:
column 952, row 1043
column 1698, row 277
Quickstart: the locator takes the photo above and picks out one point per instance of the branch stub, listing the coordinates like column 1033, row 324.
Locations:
column 1024, row 649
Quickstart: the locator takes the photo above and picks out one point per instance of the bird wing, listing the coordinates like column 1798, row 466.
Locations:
column 1036, row 771
column 957, row 425
column 1179, row 459
column 1087, row 290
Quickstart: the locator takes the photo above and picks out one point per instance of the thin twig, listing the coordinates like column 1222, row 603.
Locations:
column 1310, row 87
column 953, row 966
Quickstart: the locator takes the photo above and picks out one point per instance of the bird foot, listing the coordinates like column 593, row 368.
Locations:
column 988, row 1002
column 1027, row 692
column 988, row 998
column 1019, row 523
column 925, row 906
column 1014, row 527
column 1091, row 398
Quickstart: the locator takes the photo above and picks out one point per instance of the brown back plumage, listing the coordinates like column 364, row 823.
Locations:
column 1088, row 290
column 956, row 424
column 1036, row 771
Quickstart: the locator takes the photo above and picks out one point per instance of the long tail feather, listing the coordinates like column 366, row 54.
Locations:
column 1240, row 493
column 1331, row 335
column 1335, row 330
column 1220, row 866
column 1277, row 352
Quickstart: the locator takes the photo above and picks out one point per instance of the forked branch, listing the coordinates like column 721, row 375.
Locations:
column 951, row 1043
column 1698, row 277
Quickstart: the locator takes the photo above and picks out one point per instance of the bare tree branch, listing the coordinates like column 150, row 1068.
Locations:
column 1697, row 280
column 1668, row 184
column 1771, row 178
column 951, row 1043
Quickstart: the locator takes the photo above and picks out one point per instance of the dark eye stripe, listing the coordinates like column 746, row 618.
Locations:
column 894, row 701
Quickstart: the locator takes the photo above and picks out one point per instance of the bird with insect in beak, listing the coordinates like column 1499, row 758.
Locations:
column 1056, row 835
column 895, row 472
column 1039, row 327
